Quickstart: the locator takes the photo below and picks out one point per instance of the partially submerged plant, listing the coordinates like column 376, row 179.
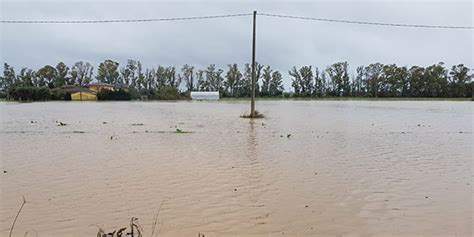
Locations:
column 181, row 131
column 61, row 123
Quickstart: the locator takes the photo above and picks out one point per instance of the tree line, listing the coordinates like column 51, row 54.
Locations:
column 169, row 82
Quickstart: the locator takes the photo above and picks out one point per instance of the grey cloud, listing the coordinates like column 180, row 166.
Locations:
column 281, row 43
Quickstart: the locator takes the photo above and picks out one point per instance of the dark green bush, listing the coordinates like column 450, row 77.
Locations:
column 120, row 94
column 29, row 93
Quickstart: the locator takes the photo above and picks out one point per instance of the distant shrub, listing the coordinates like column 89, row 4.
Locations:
column 60, row 95
column 29, row 93
column 120, row 94
column 170, row 93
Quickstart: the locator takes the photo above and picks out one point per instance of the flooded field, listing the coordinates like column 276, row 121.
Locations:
column 308, row 168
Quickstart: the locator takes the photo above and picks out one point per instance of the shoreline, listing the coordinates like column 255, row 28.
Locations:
column 229, row 99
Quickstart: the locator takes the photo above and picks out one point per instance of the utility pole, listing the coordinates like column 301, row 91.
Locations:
column 252, row 103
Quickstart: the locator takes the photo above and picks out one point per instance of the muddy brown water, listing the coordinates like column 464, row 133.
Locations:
column 308, row 168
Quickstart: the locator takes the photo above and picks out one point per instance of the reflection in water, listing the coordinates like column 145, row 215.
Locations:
column 362, row 168
column 252, row 141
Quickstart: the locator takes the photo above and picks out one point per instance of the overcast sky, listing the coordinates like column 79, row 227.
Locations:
column 281, row 43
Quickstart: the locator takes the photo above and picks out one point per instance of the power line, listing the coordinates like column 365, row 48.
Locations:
column 229, row 16
column 368, row 23
column 120, row 21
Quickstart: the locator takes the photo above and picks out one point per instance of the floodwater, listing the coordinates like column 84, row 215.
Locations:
column 381, row 168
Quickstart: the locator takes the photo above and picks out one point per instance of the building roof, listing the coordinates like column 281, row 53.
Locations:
column 73, row 89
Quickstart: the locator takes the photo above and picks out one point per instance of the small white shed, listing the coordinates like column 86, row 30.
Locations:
column 204, row 95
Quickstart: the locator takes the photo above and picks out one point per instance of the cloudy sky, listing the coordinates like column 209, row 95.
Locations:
column 281, row 43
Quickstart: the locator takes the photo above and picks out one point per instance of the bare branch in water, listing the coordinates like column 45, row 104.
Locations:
column 155, row 220
column 16, row 217
column 28, row 232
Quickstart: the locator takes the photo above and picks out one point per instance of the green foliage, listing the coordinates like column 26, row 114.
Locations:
column 170, row 93
column 46, row 76
column 165, row 83
column 108, row 73
column 120, row 94
column 30, row 93
column 59, row 95
column 81, row 74
column 188, row 76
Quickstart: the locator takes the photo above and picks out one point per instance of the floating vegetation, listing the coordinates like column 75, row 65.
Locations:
column 181, row 131
column 60, row 124
column 135, row 230
column 148, row 131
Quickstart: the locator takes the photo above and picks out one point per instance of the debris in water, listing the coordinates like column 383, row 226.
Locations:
column 288, row 135
column 104, row 122
column 61, row 123
column 306, row 206
column 4, row 171
column 136, row 124
column 235, row 189
column 181, row 131
column 78, row 132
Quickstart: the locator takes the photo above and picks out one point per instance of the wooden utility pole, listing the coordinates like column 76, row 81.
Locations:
column 252, row 103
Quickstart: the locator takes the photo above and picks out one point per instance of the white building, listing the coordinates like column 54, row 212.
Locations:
column 204, row 95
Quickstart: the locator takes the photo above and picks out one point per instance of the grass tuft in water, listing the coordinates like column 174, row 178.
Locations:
column 181, row 131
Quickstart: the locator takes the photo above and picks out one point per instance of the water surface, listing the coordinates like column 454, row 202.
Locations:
column 308, row 168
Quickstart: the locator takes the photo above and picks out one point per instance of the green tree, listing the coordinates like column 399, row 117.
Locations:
column 25, row 78
column 319, row 85
column 276, row 84
column 266, row 81
column 188, row 75
column 107, row 72
column 460, row 84
column 214, row 78
column 373, row 74
column 140, row 76
column 81, row 73
column 202, row 84
column 62, row 77
column 128, row 74
column 394, row 81
column 7, row 81
column 416, row 79
column 296, row 80
column 233, row 80
column 436, row 81
column 339, row 76
column 47, row 76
